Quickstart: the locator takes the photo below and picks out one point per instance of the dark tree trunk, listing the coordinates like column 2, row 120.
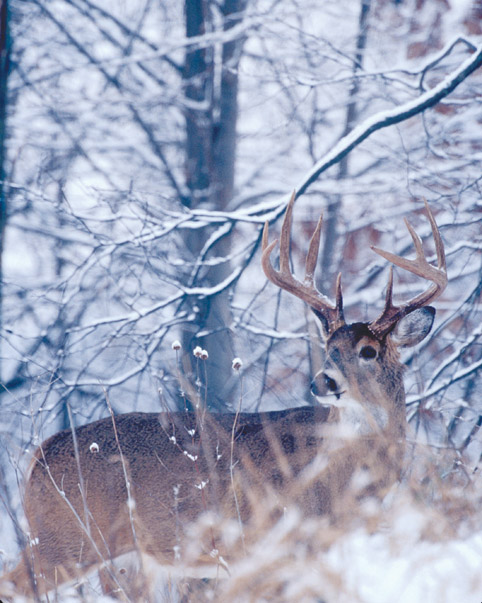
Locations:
column 328, row 267
column 4, row 68
column 211, row 87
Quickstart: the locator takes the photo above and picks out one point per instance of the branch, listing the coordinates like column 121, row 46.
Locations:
column 457, row 355
column 458, row 376
column 143, row 124
column 391, row 117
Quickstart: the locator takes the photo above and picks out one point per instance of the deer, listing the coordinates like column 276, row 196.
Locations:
column 136, row 481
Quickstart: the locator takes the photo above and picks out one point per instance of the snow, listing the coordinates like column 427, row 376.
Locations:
column 403, row 569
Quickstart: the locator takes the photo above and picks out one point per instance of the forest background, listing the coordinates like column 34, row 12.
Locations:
column 142, row 147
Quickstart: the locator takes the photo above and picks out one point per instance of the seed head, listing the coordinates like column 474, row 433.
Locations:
column 237, row 364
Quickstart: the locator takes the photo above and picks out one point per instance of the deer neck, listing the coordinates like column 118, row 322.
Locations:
column 378, row 410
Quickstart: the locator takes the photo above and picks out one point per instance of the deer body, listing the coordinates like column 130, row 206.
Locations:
column 178, row 466
column 137, row 481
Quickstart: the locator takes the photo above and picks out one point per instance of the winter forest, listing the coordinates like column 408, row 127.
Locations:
column 144, row 144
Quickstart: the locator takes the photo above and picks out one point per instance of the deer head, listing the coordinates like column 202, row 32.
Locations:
column 363, row 375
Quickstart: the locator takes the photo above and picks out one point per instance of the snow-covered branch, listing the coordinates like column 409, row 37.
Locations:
column 390, row 117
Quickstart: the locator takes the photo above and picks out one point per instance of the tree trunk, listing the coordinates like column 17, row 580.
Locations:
column 4, row 68
column 212, row 86
column 328, row 268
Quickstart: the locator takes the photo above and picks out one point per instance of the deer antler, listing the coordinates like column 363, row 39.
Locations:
column 391, row 314
column 306, row 290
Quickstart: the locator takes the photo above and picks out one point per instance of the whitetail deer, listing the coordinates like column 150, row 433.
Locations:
column 135, row 482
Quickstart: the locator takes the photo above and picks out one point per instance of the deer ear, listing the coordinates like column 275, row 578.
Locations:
column 414, row 327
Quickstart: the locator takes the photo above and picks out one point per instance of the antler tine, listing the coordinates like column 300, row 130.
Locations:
column 339, row 300
column 439, row 246
column 285, row 237
column 389, row 292
column 284, row 279
column 313, row 250
column 391, row 314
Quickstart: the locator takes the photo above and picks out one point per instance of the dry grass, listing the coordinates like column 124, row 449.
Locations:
column 413, row 545
column 417, row 542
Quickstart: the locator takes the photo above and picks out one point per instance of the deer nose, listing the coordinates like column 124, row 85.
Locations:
column 315, row 389
column 323, row 385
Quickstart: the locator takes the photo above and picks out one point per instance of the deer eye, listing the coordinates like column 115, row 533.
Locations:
column 330, row 383
column 367, row 352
